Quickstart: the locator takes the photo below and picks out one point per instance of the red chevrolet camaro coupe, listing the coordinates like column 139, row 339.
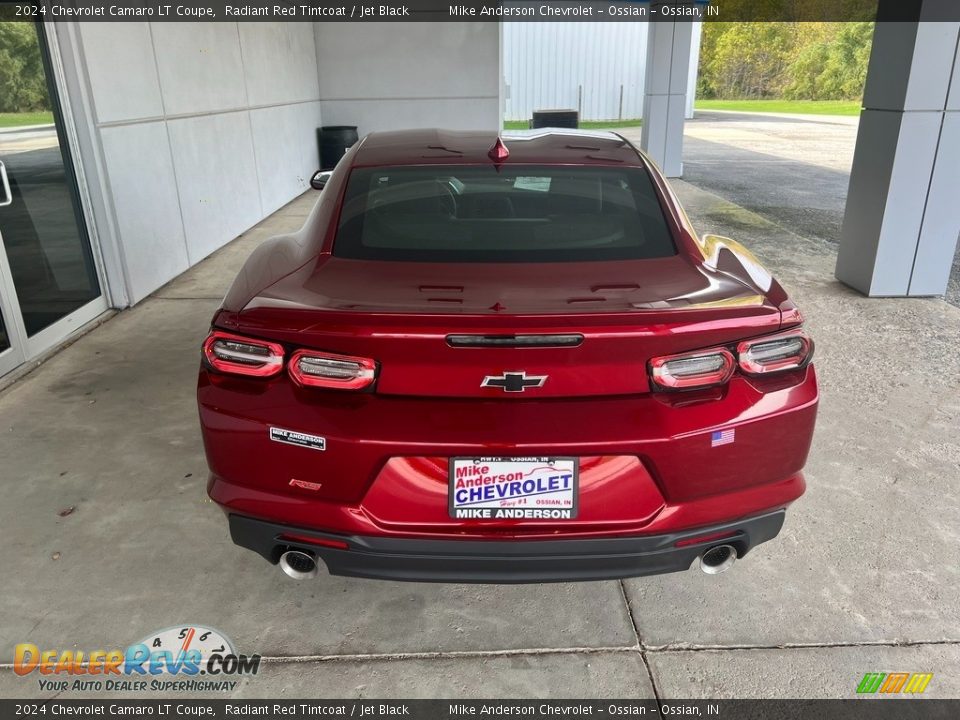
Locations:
column 504, row 359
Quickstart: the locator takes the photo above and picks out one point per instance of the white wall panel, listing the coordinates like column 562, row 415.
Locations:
column 144, row 193
column 309, row 121
column 235, row 108
column 122, row 71
column 953, row 99
column 413, row 60
column 941, row 219
column 217, row 179
column 383, row 76
column 454, row 114
column 575, row 66
column 279, row 62
column 200, row 67
column 279, row 154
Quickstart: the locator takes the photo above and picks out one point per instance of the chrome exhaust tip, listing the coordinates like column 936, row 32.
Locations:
column 298, row 564
column 718, row 559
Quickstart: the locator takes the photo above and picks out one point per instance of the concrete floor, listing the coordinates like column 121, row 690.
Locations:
column 862, row 579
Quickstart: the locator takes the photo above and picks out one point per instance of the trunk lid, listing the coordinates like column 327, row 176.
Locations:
column 611, row 318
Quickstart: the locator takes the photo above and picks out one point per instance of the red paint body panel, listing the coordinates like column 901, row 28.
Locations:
column 383, row 471
column 471, row 147
column 648, row 465
column 415, row 358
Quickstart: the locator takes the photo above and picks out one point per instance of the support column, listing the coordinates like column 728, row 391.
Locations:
column 665, row 94
column 696, row 35
column 902, row 218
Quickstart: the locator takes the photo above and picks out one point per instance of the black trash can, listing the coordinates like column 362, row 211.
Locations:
column 334, row 141
column 555, row 119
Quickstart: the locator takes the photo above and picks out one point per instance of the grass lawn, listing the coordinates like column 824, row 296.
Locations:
column 810, row 107
column 26, row 118
column 585, row 125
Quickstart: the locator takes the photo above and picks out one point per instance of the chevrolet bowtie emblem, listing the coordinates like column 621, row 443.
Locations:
column 514, row 381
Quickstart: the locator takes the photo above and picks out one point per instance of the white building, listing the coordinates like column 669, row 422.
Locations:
column 596, row 68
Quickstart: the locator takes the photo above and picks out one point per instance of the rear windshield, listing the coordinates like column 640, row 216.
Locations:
column 444, row 213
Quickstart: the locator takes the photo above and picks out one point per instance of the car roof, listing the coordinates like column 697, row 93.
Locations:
column 457, row 147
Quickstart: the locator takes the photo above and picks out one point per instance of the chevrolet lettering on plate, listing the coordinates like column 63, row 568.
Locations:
column 533, row 488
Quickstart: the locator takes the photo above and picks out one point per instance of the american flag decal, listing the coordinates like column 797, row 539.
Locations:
column 722, row 437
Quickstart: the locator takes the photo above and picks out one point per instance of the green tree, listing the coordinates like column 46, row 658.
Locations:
column 796, row 10
column 793, row 60
column 833, row 67
column 744, row 60
column 23, row 85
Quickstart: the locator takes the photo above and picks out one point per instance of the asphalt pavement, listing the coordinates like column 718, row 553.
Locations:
column 790, row 169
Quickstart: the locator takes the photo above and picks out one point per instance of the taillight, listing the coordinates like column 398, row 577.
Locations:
column 708, row 368
column 775, row 353
column 326, row 370
column 692, row 370
column 240, row 355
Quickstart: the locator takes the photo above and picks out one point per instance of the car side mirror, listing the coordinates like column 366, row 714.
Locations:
column 319, row 179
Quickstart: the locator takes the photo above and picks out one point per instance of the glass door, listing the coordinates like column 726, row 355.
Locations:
column 47, row 271
column 11, row 350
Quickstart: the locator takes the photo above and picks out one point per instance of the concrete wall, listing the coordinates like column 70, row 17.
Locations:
column 200, row 135
column 384, row 76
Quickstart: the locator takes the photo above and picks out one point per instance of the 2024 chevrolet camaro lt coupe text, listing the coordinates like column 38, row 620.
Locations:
column 504, row 360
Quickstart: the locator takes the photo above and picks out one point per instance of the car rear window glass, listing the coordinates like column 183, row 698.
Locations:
column 511, row 213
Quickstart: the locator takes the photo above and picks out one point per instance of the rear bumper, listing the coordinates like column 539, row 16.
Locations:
column 516, row 561
column 648, row 464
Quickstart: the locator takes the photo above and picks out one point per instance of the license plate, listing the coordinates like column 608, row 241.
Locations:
column 503, row 488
